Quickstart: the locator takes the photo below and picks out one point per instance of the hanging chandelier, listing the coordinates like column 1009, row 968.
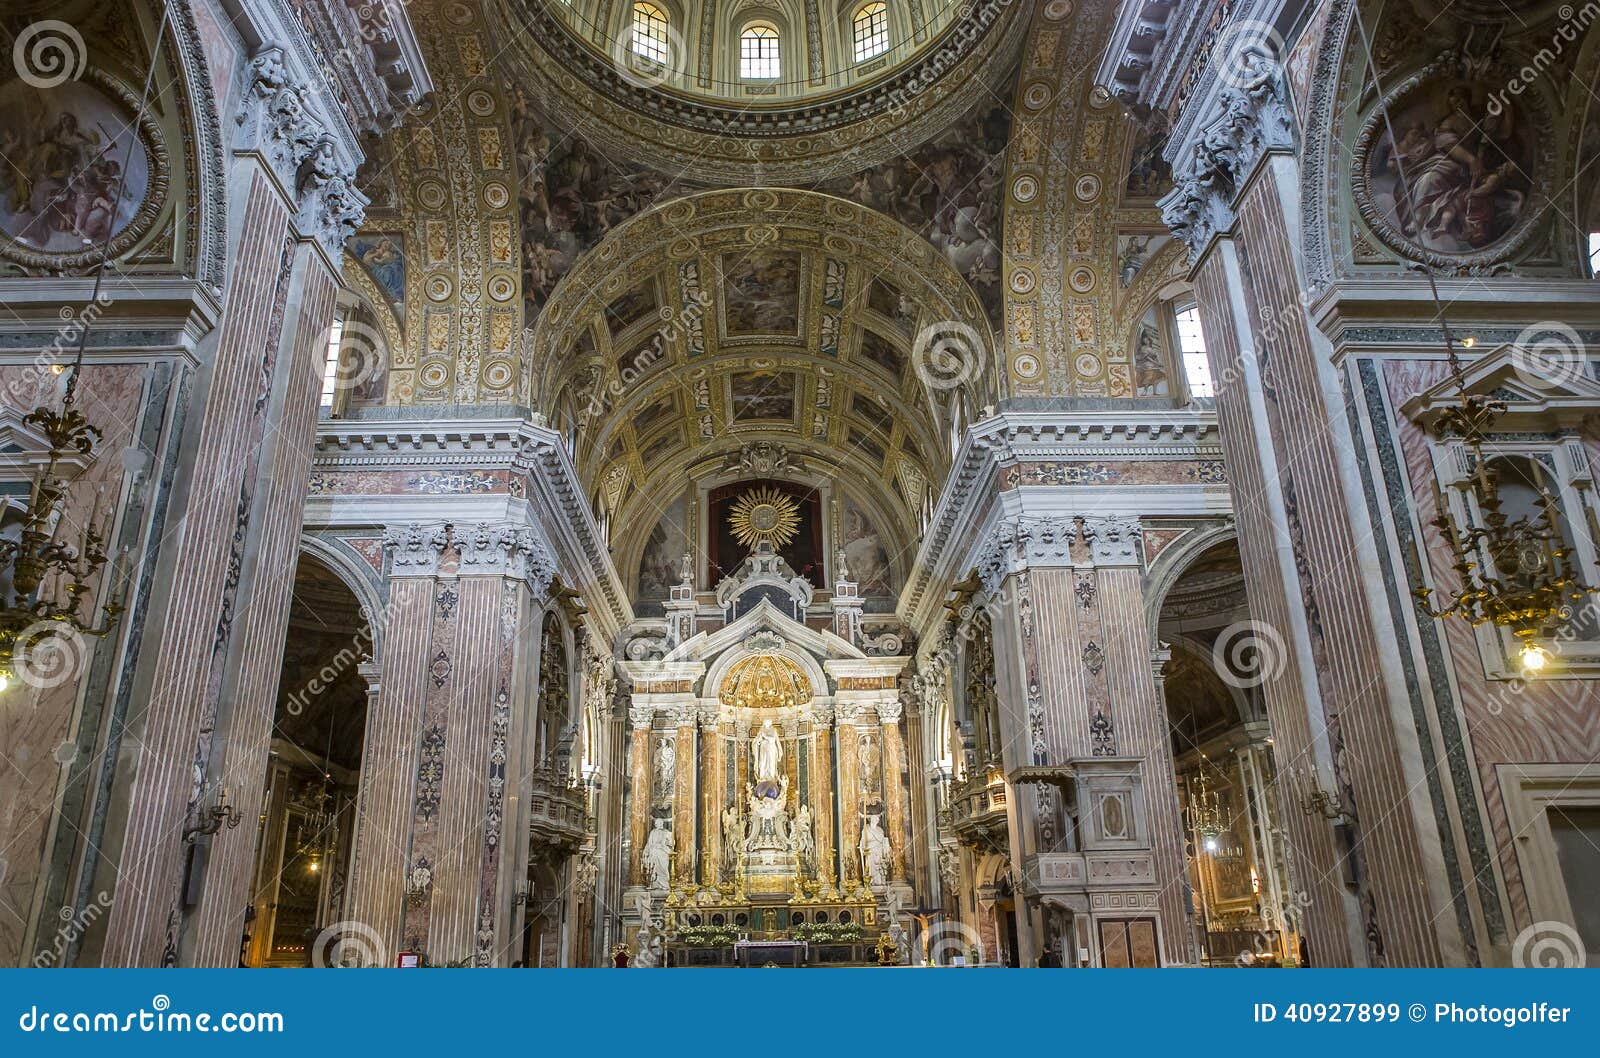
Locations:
column 1516, row 573
column 1206, row 817
column 48, row 577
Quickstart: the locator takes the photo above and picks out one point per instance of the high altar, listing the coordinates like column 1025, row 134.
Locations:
column 766, row 783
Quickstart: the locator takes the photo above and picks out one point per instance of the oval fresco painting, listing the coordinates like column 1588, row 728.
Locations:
column 77, row 171
column 1470, row 161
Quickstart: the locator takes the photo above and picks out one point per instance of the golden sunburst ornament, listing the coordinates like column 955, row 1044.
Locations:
column 764, row 515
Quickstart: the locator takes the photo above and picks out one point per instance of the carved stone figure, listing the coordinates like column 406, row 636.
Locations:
column 732, row 841
column 658, row 857
column 805, row 845
column 875, row 852
column 766, row 753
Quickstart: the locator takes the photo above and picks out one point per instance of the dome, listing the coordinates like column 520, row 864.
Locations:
column 761, row 91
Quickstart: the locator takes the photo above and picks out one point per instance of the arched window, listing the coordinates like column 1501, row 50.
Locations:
column 1192, row 343
column 870, row 30
column 650, row 32
column 758, row 52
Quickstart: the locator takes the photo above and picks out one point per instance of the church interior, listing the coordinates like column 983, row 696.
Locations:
column 800, row 483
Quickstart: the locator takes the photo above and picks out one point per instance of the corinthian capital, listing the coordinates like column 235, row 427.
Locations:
column 1113, row 540
column 414, row 549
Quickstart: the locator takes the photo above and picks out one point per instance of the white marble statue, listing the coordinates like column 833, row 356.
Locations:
column 732, row 839
column 875, row 852
column 805, row 846
column 766, row 753
column 658, row 857
column 769, row 822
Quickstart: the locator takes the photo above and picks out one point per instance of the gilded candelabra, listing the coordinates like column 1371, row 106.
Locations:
column 1516, row 573
column 49, row 577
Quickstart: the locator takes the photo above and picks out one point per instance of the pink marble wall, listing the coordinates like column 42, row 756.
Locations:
column 36, row 722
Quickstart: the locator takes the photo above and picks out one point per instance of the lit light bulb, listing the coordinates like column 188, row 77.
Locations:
column 1533, row 657
column 5, row 681
column 1211, row 844
column 1469, row 341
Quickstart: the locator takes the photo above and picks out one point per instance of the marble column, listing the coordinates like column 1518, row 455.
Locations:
column 214, row 648
column 683, row 799
column 822, row 792
column 384, row 808
column 711, row 794
column 894, row 801
column 640, row 777
column 1139, row 714
column 1356, row 767
column 849, row 715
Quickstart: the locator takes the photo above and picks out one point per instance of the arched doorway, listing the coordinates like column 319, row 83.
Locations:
column 304, row 833
column 1238, row 871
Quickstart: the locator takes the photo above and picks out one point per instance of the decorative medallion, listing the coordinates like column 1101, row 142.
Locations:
column 80, row 180
column 1087, row 189
column 1478, row 167
column 1024, row 189
column 764, row 515
column 1082, row 279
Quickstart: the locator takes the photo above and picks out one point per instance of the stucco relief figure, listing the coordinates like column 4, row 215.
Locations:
column 1465, row 167
column 658, row 857
column 875, row 852
column 766, row 754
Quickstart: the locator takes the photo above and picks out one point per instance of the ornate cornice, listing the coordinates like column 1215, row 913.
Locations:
column 534, row 453
column 964, row 507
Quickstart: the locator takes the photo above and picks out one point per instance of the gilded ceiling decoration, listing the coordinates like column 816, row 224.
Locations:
column 788, row 140
column 1081, row 226
column 765, row 681
column 737, row 317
